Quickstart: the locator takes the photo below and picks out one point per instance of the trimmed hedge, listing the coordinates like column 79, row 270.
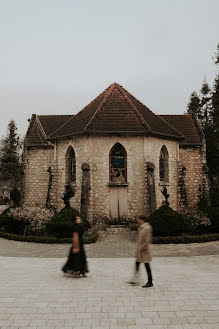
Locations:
column 186, row 239
column 88, row 238
column 168, row 222
column 62, row 225
column 10, row 225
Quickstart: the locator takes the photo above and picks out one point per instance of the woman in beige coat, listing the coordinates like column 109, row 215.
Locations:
column 143, row 254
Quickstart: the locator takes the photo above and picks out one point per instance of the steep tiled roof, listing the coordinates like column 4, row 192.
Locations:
column 116, row 111
column 187, row 126
column 51, row 123
column 41, row 126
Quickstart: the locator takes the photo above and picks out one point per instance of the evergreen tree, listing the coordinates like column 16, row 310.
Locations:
column 68, row 194
column 216, row 57
column 215, row 98
column 194, row 105
column 215, row 140
column 10, row 157
column 205, row 115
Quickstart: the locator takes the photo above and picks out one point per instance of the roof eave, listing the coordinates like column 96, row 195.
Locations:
column 40, row 145
column 104, row 132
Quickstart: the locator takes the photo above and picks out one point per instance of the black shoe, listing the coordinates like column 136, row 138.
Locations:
column 147, row 285
column 64, row 269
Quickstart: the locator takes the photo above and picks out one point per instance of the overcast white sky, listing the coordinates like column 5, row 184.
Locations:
column 57, row 55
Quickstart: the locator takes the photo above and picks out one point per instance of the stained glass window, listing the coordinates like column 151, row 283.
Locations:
column 118, row 171
column 70, row 165
column 161, row 166
column 164, row 165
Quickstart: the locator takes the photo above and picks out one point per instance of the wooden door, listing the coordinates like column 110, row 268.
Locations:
column 118, row 202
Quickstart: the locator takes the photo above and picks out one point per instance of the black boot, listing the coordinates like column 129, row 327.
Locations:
column 147, row 285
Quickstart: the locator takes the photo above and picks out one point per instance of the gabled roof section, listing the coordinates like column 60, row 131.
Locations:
column 116, row 111
column 187, row 126
column 41, row 126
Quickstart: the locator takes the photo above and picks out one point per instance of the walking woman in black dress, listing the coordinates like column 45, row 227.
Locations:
column 77, row 263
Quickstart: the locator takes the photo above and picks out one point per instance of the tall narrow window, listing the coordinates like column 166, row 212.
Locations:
column 70, row 165
column 163, row 165
column 118, row 164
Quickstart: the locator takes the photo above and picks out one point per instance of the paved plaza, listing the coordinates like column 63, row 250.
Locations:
column 34, row 293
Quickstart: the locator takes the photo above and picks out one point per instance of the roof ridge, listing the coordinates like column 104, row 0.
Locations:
column 40, row 125
column 134, row 108
column 170, row 126
column 109, row 92
column 60, row 127
column 123, row 92
column 75, row 116
column 54, row 115
column 153, row 112
column 40, row 130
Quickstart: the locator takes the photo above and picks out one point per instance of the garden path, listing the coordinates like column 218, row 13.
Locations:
column 111, row 246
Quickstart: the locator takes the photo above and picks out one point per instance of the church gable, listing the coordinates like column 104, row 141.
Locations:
column 41, row 126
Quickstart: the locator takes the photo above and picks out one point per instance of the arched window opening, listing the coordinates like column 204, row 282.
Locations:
column 118, row 164
column 163, row 165
column 70, row 165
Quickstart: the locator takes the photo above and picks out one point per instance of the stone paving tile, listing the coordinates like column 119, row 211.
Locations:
column 35, row 294
column 191, row 326
column 111, row 246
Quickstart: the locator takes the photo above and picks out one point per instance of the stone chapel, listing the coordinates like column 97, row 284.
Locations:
column 118, row 155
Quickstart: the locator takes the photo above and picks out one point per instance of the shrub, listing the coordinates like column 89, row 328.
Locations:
column 62, row 225
column 15, row 196
column 32, row 218
column 132, row 224
column 186, row 239
column 214, row 216
column 198, row 220
column 100, row 223
column 8, row 224
column 88, row 238
column 165, row 221
column 68, row 194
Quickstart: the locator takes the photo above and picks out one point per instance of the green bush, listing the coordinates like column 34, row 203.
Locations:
column 212, row 211
column 167, row 222
column 8, row 224
column 186, row 239
column 62, row 224
column 15, row 196
column 214, row 217
column 88, row 238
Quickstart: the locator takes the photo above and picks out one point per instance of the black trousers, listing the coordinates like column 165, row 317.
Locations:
column 148, row 269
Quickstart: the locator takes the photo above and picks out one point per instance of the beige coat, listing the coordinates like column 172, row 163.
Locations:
column 144, row 244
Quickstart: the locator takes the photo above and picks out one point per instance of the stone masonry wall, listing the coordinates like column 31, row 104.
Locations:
column 37, row 162
column 152, row 147
column 191, row 159
column 82, row 150
column 134, row 147
column 95, row 151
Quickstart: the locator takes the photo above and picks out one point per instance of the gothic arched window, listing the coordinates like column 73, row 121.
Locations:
column 118, row 164
column 163, row 165
column 70, row 161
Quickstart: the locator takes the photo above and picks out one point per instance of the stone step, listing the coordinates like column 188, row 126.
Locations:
column 116, row 230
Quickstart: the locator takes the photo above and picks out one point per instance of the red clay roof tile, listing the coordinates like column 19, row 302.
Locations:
column 116, row 111
column 186, row 125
